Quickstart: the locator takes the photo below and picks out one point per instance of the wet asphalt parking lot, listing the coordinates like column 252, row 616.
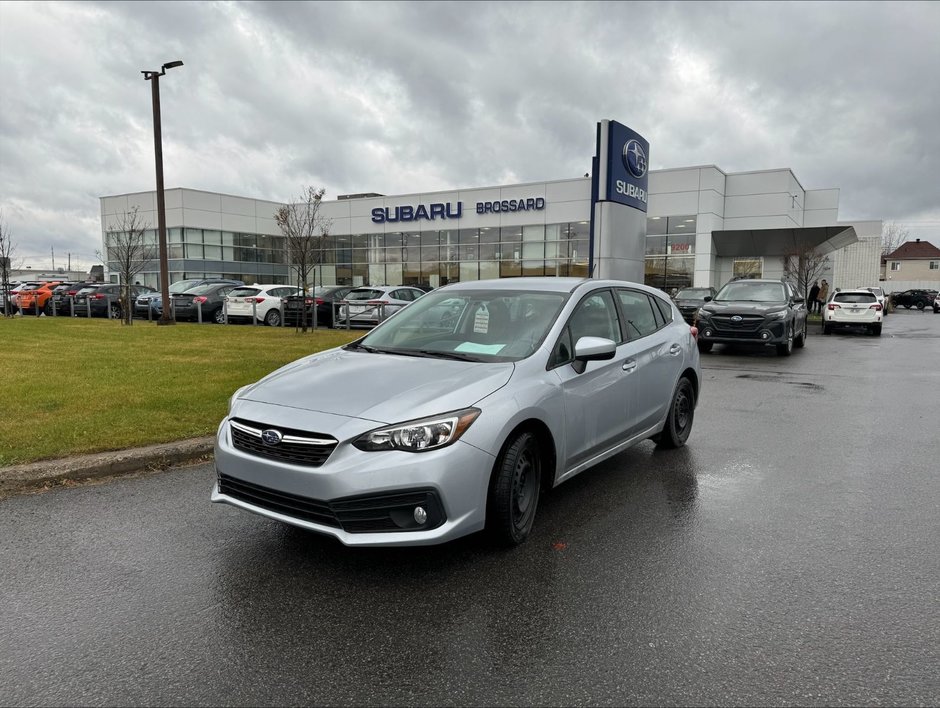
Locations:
column 789, row 555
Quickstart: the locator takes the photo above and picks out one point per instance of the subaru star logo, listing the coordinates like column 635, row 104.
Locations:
column 634, row 159
column 735, row 318
column 271, row 436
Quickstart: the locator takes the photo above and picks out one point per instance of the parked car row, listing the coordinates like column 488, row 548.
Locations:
column 916, row 297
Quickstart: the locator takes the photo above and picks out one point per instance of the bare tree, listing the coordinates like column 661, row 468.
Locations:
column 892, row 236
column 307, row 233
column 803, row 265
column 128, row 252
column 7, row 250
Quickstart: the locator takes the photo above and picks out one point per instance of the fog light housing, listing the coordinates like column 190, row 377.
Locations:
column 707, row 333
column 421, row 516
column 765, row 335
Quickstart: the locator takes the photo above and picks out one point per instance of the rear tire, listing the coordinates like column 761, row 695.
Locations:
column 273, row 318
column 876, row 330
column 827, row 329
column 920, row 304
column 679, row 419
column 800, row 341
column 786, row 349
column 514, row 491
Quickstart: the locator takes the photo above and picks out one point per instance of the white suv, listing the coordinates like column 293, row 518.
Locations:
column 853, row 308
column 260, row 301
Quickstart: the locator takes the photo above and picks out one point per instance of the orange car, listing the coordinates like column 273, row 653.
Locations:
column 33, row 301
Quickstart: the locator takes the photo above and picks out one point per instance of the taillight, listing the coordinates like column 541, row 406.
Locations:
column 833, row 306
column 876, row 307
column 200, row 298
column 378, row 302
column 694, row 331
column 319, row 300
column 308, row 301
column 254, row 299
column 97, row 296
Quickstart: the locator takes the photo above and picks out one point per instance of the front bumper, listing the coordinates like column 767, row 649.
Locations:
column 456, row 476
column 748, row 332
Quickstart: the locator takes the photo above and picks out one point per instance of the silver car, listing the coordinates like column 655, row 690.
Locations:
column 454, row 414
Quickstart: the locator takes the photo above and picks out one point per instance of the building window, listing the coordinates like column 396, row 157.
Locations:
column 748, row 268
column 895, row 265
column 934, row 265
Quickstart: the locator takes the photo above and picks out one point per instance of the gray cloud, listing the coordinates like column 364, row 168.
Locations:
column 398, row 97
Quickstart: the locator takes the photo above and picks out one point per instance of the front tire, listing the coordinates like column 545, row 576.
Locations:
column 679, row 419
column 218, row 316
column 514, row 491
column 800, row 341
column 920, row 304
column 705, row 347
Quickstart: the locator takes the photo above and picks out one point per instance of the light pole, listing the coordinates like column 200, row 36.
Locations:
column 154, row 77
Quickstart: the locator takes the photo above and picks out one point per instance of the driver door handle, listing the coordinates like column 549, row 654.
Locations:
column 629, row 365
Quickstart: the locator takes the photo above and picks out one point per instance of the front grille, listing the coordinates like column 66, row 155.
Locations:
column 298, row 447
column 387, row 511
column 749, row 325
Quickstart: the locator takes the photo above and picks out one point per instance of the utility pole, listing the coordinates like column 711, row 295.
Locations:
column 53, row 258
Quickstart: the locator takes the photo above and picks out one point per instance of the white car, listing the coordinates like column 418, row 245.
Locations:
column 260, row 301
column 882, row 298
column 936, row 304
column 853, row 308
column 369, row 305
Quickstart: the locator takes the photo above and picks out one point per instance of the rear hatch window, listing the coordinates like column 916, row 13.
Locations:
column 364, row 294
column 244, row 292
column 855, row 297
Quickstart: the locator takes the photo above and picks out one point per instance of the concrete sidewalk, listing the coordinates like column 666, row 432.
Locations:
column 50, row 473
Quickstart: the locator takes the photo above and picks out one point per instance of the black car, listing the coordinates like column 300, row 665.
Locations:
column 96, row 299
column 755, row 312
column 689, row 300
column 210, row 297
column 914, row 298
column 145, row 305
column 62, row 298
column 324, row 297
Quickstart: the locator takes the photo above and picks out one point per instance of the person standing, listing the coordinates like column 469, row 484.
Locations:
column 823, row 294
column 813, row 294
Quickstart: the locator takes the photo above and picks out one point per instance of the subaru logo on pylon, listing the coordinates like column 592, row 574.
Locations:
column 634, row 159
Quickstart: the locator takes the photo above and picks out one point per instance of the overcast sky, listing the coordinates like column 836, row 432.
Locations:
column 404, row 97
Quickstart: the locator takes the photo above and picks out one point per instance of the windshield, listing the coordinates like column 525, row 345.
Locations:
column 752, row 292
column 692, row 294
column 181, row 286
column 477, row 325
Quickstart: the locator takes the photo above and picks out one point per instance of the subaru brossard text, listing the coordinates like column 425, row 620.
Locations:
column 454, row 414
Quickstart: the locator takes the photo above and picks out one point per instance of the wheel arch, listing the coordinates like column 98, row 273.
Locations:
column 546, row 445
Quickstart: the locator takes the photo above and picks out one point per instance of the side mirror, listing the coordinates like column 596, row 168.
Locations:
column 798, row 300
column 708, row 298
column 592, row 349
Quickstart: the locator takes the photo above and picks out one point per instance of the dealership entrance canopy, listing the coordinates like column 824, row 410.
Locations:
column 782, row 242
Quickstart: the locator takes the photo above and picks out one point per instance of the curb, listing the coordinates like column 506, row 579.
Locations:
column 48, row 473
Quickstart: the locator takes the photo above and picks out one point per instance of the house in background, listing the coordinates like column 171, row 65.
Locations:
column 913, row 264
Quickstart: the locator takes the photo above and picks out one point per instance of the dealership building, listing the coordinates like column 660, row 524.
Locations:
column 670, row 228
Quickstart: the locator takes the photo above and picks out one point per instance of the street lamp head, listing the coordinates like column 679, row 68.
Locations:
column 172, row 64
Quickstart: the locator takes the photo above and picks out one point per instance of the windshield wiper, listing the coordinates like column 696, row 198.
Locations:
column 459, row 356
column 364, row 347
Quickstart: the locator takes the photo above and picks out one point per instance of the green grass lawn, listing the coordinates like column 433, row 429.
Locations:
column 72, row 385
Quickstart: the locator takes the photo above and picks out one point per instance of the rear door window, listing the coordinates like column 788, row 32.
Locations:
column 638, row 313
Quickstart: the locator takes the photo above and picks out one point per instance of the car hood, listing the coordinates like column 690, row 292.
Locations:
column 386, row 388
column 743, row 308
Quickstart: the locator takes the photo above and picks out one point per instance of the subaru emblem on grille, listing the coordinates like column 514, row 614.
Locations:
column 271, row 436
column 736, row 318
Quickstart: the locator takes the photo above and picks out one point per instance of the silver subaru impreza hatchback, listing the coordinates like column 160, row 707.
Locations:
column 455, row 413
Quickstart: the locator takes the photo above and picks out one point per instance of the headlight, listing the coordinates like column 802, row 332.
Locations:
column 231, row 401
column 419, row 435
column 703, row 314
column 779, row 315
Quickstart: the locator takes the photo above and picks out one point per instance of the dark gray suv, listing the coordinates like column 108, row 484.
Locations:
column 755, row 312
column 210, row 297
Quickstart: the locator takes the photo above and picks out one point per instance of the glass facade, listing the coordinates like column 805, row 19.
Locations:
column 431, row 258
column 670, row 251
